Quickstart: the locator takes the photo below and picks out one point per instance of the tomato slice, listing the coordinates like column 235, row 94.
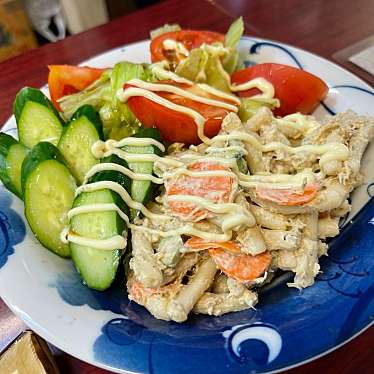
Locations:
column 67, row 79
column 176, row 126
column 189, row 38
column 297, row 90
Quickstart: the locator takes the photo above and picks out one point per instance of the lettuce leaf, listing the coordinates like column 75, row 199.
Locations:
column 249, row 106
column 117, row 118
column 193, row 67
column 232, row 61
column 211, row 64
column 234, row 33
column 95, row 94
column 163, row 29
column 204, row 65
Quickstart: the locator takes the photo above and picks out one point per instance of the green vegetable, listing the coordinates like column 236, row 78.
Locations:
column 12, row 155
column 118, row 121
column 234, row 33
column 169, row 250
column 163, row 29
column 204, row 65
column 232, row 61
column 211, row 64
column 193, row 67
column 48, row 190
column 141, row 190
column 95, row 94
column 216, row 75
column 84, row 129
column 97, row 267
column 114, row 176
column 123, row 72
column 37, row 119
column 249, row 107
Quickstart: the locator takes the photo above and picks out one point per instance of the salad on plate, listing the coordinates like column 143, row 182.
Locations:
column 202, row 177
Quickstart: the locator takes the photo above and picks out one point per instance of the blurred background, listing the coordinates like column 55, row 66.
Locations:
column 27, row 24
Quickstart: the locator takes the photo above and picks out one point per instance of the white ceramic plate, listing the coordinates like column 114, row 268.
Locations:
column 104, row 328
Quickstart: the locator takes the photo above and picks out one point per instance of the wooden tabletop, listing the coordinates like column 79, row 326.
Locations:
column 320, row 26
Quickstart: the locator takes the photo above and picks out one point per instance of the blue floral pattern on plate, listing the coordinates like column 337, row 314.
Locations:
column 257, row 340
column 12, row 228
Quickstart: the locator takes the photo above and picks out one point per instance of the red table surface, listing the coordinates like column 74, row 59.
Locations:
column 320, row 26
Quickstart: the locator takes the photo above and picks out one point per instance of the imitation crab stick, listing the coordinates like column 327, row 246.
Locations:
column 197, row 244
column 139, row 293
column 288, row 196
column 215, row 188
column 229, row 259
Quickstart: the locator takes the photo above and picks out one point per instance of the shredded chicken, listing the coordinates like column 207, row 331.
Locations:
column 182, row 273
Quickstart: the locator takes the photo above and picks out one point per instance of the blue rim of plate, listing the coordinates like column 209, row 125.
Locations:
column 287, row 328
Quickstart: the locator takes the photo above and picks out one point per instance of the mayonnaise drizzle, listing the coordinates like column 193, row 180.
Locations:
column 160, row 87
column 136, row 142
column 146, row 89
column 260, row 83
column 109, row 166
column 109, row 244
column 173, row 45
column 102, row 149
column 220, row 208
column 114, row 242
column 296, row 124
column 234, row 215
column 158, row 69
column 123, row 194
column 232, row 148
column 124, row 95
column 328, row 152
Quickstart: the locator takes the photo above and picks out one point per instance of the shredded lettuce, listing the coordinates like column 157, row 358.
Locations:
column 95, row 94
column 211, row 64
column 204, row 65
column 163, row 29
column 193, row 67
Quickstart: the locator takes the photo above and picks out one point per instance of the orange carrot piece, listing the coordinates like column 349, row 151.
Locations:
column 288, row 196
column 242, row 267
column 229, row 259
column 215, row 188
column 198, row 244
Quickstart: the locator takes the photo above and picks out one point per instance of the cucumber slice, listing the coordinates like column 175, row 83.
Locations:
column 82, row 132
column 12, row 155
column 37, row 118
column 97, row 267
column 141, row 191
column 115, row 176
column 49, row 191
